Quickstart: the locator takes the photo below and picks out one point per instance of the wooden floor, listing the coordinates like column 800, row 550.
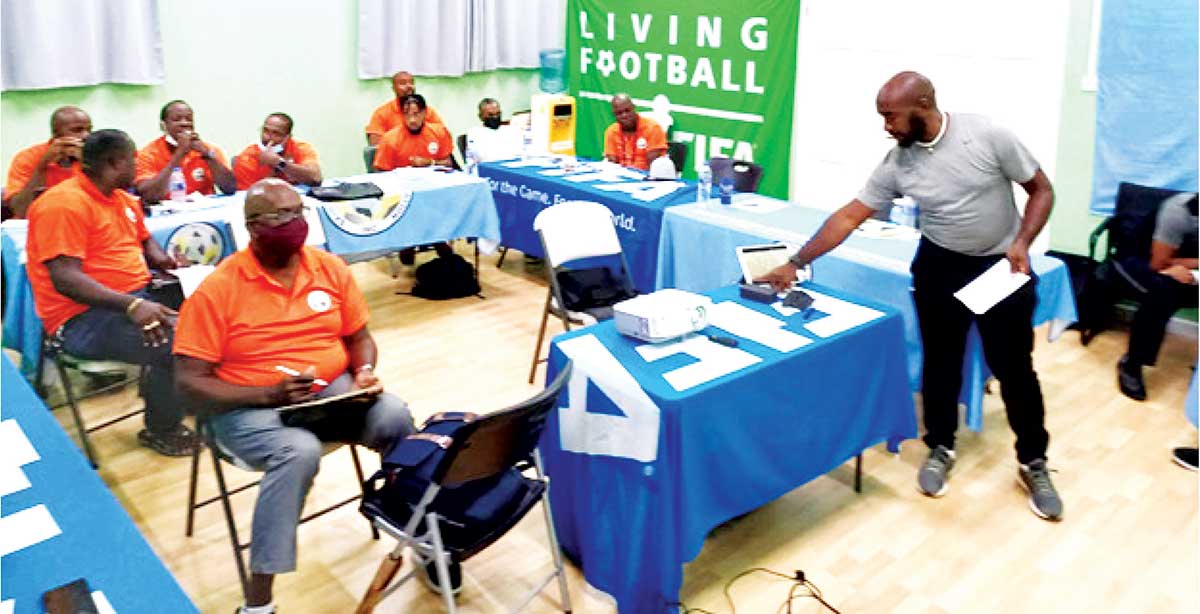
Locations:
column 1128, row 543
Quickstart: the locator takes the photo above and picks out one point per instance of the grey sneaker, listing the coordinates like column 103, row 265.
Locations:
column 931, row 479
column 1043, row 499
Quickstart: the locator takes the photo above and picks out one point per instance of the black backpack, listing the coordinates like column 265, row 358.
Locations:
column 445, row 277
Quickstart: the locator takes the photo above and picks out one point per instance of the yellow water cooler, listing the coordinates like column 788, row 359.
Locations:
column 552, row 120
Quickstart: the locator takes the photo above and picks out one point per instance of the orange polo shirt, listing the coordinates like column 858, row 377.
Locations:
column 157, row 154
column 389, row 116
column 248, row 171
column 630, row 148
column 294, row 328
column 20, row 171
column 105, row 232
column 399, row 146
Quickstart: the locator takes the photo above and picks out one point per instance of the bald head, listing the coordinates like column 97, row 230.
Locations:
column 70, row 121
column 269, row 196
column 624, row 113
column 403, row 84
column 908, row 88
column 909, row 108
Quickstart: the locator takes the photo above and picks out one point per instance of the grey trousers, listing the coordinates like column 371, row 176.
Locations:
column 290, row 458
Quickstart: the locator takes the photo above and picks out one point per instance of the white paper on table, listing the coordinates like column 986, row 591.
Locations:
column 714, row 360
column 755, row 326
column 840, row 315
column 993, row 286
column 537, row 161
column 877, row 229
column 759, row 205
column 191, row 276
column 25, row 528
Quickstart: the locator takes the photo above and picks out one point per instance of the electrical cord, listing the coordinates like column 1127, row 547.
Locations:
column 798, row 580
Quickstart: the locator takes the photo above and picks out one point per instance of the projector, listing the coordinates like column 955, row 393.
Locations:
column 662, row 316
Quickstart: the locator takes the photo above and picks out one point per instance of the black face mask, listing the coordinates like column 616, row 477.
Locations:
column 492, row 122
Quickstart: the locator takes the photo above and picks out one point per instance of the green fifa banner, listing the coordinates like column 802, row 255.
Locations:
column 725, row 71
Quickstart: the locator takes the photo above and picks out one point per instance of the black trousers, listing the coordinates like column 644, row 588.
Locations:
column 1159, row 297
column 1007, row 333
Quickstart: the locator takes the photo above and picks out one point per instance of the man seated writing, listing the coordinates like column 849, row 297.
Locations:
column 88, row 251
column 40, row 167
column 204, row 166
column 307, row 317
column 277, row 154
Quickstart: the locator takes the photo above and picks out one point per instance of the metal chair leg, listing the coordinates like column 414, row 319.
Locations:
column 234, row 541
column 503, row 253
column 537, row 348
column 439, row 561
column 358, row 471
column 75, row 415
column 552, row 535
column 858, row 473
column 191, row 513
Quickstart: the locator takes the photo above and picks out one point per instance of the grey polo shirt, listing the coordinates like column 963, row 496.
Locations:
column 1176, row 225
column 962, row 182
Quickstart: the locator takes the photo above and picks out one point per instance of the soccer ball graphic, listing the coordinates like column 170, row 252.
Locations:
column 200, row 243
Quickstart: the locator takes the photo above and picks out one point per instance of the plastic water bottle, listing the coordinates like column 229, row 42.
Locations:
column 177, row 187
column 471, row 157
column 527, row 142
column 704, row 184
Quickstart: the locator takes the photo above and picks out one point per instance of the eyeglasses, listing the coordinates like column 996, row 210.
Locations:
column 279, row 217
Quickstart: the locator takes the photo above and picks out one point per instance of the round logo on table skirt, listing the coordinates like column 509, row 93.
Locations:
column 201, row 243
column 368, row 216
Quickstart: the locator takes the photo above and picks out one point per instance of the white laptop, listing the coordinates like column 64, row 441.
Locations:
column 758, row 260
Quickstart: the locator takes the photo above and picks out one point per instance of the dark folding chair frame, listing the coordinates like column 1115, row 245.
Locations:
column 53, row 350
column 746, row 175
column 484, row 448
column 224, row 493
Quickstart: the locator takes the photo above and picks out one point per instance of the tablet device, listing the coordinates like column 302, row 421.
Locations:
column 758, row 260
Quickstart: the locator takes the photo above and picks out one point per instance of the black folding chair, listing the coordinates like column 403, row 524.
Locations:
column 746, row 175
column 483, row 449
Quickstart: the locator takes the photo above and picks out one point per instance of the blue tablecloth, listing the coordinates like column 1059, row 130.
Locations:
column 697, row 253
column 419, row 206
column 96, row 541
column 523, row 188
column 203, row 234
column 641, row 472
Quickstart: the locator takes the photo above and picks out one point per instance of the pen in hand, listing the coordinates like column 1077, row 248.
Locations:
column 294, row 373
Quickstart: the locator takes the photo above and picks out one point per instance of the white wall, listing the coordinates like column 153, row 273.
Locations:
column 1001, row 59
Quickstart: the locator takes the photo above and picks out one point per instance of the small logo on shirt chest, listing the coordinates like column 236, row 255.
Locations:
column 432, row 148
column 641, row 142
column 197, row 174
column 319, row 301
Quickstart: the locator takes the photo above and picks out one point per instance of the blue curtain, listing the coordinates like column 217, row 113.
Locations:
column 1146, row 102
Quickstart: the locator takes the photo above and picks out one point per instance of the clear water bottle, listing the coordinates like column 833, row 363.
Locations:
column 704, row 184
column 471, row 157
column 527, row 141
column 177, row 187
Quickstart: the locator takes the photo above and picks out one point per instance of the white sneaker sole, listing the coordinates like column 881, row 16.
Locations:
column 1182, row 463
column 1033, row 506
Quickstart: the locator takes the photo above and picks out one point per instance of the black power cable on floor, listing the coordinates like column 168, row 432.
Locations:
column 798, row 580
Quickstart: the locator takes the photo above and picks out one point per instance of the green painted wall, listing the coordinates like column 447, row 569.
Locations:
column 235, row 62
column 1070, row 224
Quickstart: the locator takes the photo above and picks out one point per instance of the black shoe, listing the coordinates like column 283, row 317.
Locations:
column 1129, row 379
column 1185, row 457
column 430, row 577
column 408, row 256
column 179, row 442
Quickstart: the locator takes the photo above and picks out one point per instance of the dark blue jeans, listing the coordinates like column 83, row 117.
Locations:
column 100, row 334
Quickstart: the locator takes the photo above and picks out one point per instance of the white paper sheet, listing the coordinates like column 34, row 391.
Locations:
column 755, row 326
column 759, row 205
column 191, row 276
column 714, row 360
column 840, row 315
column 993, row 286
column 26, row 528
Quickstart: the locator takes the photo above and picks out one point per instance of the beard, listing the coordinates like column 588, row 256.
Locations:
column 916, row 129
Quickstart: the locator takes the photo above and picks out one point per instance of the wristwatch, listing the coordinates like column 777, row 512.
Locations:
column 280, row 165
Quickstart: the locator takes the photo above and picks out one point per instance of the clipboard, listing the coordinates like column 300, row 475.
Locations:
column 334, row 417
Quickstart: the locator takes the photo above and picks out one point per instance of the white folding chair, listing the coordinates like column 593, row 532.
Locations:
column 571, row 231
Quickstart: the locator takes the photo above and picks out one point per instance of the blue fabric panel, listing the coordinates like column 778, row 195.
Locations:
column 1147, row 106
column 98, row 542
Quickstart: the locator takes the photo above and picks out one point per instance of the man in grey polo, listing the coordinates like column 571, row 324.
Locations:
column 960, row 170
